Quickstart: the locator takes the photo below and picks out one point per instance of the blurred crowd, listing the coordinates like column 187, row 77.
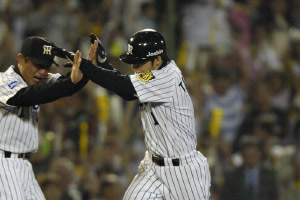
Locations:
column 241, row 62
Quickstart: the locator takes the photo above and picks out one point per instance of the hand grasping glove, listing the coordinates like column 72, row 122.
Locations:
column 62, row 53
column 97, row 52
column 100, row 56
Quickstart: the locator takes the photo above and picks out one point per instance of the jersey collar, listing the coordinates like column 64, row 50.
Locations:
column 163, row 65
column 17, row 70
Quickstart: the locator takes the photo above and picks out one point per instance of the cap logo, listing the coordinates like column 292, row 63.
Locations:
column 47, row 50
column 130, row 48
column 155, row 53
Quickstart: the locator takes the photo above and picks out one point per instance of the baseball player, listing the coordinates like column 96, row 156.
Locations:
column 22, row 89
column 172, row 168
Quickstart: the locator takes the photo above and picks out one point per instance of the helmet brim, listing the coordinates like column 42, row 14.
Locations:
column 130, row 59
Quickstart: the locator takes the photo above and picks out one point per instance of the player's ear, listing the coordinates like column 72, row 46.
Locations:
column 20, row 58
column 157, row 62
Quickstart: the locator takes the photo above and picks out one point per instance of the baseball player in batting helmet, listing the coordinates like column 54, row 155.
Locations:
column 172, row 167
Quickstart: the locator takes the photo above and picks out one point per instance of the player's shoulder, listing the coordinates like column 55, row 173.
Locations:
column 10, row 77
column 9, row 74
column 168, row 72
column 170, row 69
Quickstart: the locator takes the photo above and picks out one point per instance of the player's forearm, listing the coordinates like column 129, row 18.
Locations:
column 46, row 92
column 109, row 79
column 107, row 65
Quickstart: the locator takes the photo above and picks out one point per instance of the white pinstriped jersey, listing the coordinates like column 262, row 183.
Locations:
column 168, row 120
column 167, row 111
column 19, row 125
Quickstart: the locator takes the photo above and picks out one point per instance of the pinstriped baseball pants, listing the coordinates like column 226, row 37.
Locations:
column 17, row 180
column 188, row 181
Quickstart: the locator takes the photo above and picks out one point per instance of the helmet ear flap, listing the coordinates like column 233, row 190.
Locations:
column 144, row 45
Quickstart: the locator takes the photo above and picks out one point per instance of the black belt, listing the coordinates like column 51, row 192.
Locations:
column 8, row 154
column 160, row 161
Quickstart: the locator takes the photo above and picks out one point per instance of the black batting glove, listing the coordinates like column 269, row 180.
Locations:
column 101, row 53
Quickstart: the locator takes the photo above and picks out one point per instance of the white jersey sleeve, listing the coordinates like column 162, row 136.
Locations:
column 9, row 86
column 154, row 86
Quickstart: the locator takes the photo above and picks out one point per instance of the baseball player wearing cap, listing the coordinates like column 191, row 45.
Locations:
column 22, row 89
column 172, row 168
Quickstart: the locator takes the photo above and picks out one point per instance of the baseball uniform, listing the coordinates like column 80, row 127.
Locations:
column 172, row 169
column 168, row 121
column 19, row 129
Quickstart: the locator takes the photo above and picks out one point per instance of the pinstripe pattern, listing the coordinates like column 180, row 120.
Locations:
column 19, row 134
column 168, row 121
column 20, row 187
column 19, row 131
column 173, row 109
column 189, row 181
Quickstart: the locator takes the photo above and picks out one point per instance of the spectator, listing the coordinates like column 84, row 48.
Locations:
column 205, row 27
column 260, row 109
column 252, row 180
column 108, row 184
column 227, row 95
column 65, row 171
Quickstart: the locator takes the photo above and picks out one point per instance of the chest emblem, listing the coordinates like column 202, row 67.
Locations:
column 146, row 76
column 13, row 84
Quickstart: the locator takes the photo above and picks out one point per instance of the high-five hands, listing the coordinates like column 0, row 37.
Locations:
column 76, row 74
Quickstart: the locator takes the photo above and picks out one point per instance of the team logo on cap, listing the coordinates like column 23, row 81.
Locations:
column 47, row 49
column 146, row 76
column 130, row 48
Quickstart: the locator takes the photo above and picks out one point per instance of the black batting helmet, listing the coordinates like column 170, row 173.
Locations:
column 143, row 46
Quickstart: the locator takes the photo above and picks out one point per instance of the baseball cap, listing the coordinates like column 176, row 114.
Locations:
column 38, row 51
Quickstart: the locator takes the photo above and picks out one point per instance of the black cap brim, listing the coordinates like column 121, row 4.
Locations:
column 42, row 62
column 130, row 59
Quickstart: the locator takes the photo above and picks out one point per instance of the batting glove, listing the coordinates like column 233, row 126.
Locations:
column 101, row 58
column 62, row 53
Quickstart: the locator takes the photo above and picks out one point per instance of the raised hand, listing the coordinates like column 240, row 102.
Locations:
column 76, row 74
column 100, row 51
column 93, row 53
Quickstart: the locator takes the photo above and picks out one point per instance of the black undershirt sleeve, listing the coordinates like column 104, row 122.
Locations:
column 46, row 92
column 109, row 78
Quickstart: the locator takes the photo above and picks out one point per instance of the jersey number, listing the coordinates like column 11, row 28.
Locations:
column 182, row 84
column 154, row 118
